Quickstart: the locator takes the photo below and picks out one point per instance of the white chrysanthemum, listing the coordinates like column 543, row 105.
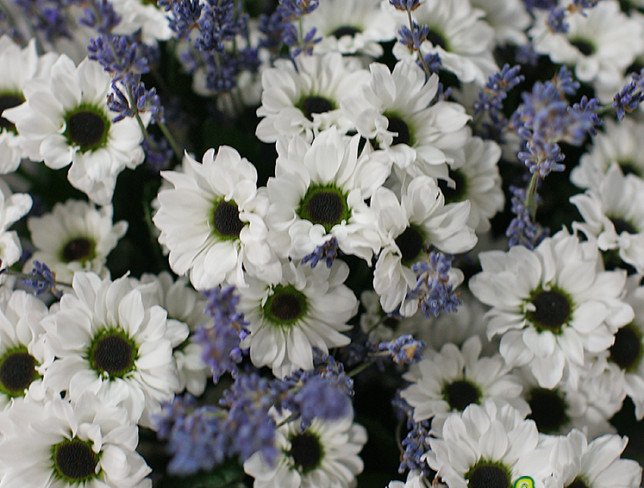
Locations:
column 23, row 354
column 75, row 236
column 380, row 326
column 614, row 218
column 414, row 480
column 212, row 221
column 310, row 307
column 508, row 18
column 600, row 44
column 457, row 34
column 396, row 113
column 145, row 16
column 185, row 307
column 319, row 192
column 620, row 143
column 410, row 227
column 551, row 305
column 488, row 446
column 597, row 464
column 350, row 27
column 110, row 341
column 65, row 120
column 12, row 208
column 61, row 444
column 324, row 455
column 305, row 99
column 474, row 176
column 450, row 380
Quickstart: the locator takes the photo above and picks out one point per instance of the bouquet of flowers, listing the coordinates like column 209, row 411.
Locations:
column 321, row 243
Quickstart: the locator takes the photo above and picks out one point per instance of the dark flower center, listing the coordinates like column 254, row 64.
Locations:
column 326, row 206
column 113, row 353
column 454, row 194
column 627, row 349
column 86, row 128
column 437, row 39
column 577, row 483
column 79, row 249
column 286, row 305
column 585, row 47
column 628, row 167
column 345, row 30
column 459, row 394
column 488, row 475
column 74, row 460
column 391, row 322
column 552, row 310
column 315, row 104
column 396, row 124
column 17, row 371
column 548, row 409
column 8, row 101
column 622, row 225
column 306, row 451
column 225, row 220
column 410, row 243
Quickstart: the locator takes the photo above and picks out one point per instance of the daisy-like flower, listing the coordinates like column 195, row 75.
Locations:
column 396, row 113
column 308, row 308
column 488, row 446
column 450, row 380
column 600, row 44
column 61, row 444
column 580, row 464
column 12, row 208
column 459, row 36
column 65, row 120
column 109, row 341
column 75, row 236
column 551, row 305
column 212, row 221
column 614, row 218
column 23, row 353
column 324, row 455
column 508, row 18
column 414, row 480
column 319, row 192
column 350, row 27
column 305, row 99
column 619, row 143
column 410, row 227
column 144, row 16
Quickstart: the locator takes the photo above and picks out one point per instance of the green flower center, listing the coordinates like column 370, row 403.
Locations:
column 623, row 225
column 225, row 220
column 548, row 410
column 626, row 351
column 345, row 30
column 584, row 46
column 112, row 353
column 488, row 474
column 314, row 104
column 578, row 483
column 87, row 127
column 80, row 249
column 17, row 371
column 411, row 244
column 399, row 126
column 307, row 451
column 437, row 39
column 552, row 310
column 285, row 306
column 7, row 101
column 628, row 167
column 461, row 393
column 458, row 193
column 74, row 461
column 325, row 205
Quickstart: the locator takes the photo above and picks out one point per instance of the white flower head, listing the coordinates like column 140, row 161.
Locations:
column 74, row 236
column 212, row 221
column 12, row 208
column 414, row 480
column 508, row 18
column 65, row 119
column 144, row 16
column 309, row 308
column 551, row 306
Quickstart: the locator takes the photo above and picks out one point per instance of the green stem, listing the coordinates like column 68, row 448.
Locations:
column 531, row 195
column 170, row 138
column 420, row 54
column 359, row 369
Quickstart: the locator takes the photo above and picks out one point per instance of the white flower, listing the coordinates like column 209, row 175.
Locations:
column 212, row 220
column 614, row 218
column 600, row 44
column 109, row 341
column 620, row 143
column 395, row 111
column 596, row 464
column 65, row 120
column 143, row 15
column 463, row 41
column 488, row 446
column 61, row 444
column 551, row 305
column 308, row 308
column 306, row 99
column 414, row 480
column 324, row 455
column 508, row 18
column 380, row 326
column 12, row 208
column 75, row 236
column 410, row 227
column 319, row 192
